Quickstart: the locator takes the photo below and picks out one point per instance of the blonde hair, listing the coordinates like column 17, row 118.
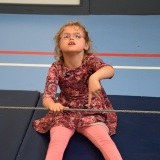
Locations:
column 58, row 52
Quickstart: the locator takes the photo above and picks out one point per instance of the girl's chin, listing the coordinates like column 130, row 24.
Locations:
column 73, row 52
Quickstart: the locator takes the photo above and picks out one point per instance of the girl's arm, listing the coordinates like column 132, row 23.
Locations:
column 105, row 72
column 94, row 85
column 51, row 105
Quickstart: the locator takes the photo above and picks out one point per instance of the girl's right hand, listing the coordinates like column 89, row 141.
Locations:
column 56, row 107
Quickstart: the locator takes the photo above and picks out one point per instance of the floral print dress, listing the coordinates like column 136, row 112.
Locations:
column 73, row 84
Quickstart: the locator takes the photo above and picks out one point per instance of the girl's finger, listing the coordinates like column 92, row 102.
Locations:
column 89, row 98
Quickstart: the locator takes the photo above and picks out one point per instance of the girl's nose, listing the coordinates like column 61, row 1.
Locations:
column 71, row 36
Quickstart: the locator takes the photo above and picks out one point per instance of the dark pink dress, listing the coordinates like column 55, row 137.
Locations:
column 73, row 84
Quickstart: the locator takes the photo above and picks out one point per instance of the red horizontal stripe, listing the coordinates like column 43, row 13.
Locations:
column 97, row 54
column 26, row 52
column 127, row 55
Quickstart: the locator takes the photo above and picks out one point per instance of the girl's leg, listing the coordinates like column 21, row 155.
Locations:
column 59, row 138
column 98, row 135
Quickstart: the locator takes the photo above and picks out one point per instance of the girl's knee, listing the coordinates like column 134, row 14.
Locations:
column 60, row 132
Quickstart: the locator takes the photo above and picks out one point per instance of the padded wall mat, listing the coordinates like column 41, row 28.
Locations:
column 14, row 123
column 137, row 133
column 34, row 146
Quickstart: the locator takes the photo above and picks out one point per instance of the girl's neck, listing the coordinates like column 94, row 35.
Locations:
column 73, row 61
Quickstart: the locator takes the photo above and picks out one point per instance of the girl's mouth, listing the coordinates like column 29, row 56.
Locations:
column 71, row 43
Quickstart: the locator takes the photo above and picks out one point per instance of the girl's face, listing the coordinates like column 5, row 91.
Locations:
column 72, row 40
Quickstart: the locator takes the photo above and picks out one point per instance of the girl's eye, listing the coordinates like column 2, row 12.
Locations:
column 77, row 35
column 66, row 36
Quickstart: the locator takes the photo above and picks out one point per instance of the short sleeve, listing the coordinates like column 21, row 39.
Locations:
column 96, row 63
column 51, row 83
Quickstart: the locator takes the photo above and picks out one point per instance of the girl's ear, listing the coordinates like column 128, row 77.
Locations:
column 86, row 47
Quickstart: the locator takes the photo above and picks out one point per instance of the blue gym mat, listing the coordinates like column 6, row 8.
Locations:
column 137, row 135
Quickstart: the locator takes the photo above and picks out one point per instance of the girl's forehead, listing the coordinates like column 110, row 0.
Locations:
column 72, row 29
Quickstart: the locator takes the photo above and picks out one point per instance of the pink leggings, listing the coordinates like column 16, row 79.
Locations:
column 97, row 134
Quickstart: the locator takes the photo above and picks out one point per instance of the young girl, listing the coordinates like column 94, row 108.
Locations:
column 78, row 73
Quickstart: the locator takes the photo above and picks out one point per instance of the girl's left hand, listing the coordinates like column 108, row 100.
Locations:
column 94, row 88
